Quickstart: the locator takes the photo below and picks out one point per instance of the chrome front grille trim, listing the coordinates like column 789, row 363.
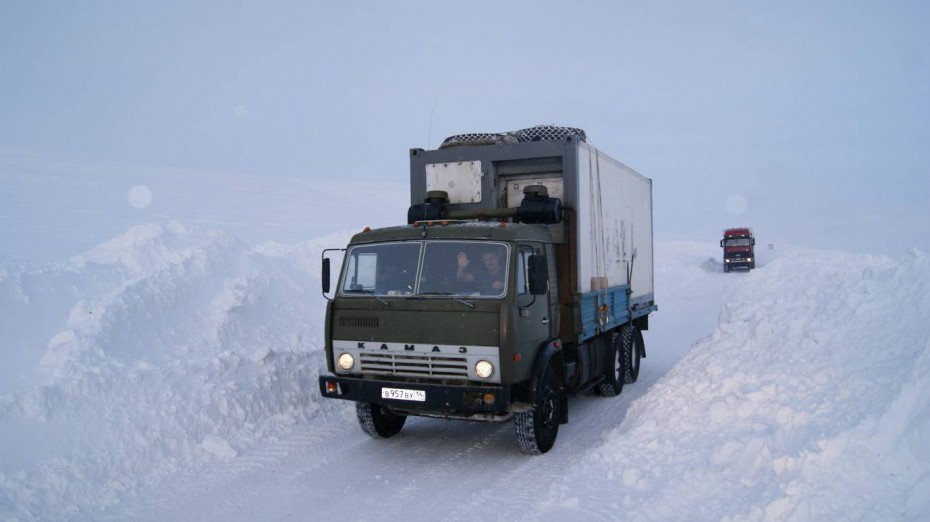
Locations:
column 414, row 365
column 417, row 360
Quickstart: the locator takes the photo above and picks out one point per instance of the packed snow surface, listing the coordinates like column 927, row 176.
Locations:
column 168, row 371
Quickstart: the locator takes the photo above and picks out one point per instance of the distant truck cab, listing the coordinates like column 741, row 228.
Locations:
column 738, row 249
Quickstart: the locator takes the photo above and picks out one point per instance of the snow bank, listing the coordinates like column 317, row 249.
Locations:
column 170, row 349
column 148, row 355
column 810, row 401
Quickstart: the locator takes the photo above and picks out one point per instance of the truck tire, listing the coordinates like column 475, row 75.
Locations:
column 620, row 343
column 537, row 428
column 726, row 267
column 632, row 354
column 378, row 422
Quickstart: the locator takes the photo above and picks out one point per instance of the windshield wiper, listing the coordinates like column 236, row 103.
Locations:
column 369, row 292
column 453, row 296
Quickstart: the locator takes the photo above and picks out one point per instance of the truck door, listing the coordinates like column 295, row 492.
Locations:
column 533, row 315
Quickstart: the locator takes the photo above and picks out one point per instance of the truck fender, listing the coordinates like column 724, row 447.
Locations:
column 550, row 355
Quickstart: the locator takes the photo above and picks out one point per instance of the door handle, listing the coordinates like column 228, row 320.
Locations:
column 545, row 320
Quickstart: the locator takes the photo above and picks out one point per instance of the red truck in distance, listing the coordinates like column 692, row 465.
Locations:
column 738, row 249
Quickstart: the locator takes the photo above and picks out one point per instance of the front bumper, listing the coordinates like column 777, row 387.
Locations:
column 738, row 263
column 440, row 399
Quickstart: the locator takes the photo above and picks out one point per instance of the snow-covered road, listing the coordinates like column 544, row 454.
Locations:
column 168, row 372
column 330, row 470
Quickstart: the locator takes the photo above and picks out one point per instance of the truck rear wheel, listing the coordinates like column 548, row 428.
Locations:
column 632, row 354
column 537, row 428
column 620, row 344
column 378, row 422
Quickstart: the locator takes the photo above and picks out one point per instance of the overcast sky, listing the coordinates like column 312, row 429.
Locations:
column 809, row 121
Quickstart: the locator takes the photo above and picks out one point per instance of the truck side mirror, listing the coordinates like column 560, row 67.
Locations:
column 325, row 269
column 721, row 242
column 538, row 275
column 324, row 277
column 753, row 241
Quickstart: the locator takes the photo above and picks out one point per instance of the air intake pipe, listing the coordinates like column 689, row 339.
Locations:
column 434, row 208
column 536, row 207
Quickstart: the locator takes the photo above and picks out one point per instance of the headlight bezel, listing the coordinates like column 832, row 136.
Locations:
column 345, row 361
column 484, row 369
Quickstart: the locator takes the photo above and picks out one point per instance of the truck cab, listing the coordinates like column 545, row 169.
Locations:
column 738, row 249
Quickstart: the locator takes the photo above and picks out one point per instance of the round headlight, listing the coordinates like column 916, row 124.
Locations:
column 346, row 361
column 484, row 369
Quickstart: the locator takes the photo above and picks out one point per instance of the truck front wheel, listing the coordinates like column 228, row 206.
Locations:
column 378, row 422
column 537, row 428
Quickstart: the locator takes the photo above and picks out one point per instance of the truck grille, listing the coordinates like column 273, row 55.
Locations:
column 414, row 365
column 358, row 322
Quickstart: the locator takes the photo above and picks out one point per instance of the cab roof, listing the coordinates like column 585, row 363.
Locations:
column 737, row 232
column 481, row 230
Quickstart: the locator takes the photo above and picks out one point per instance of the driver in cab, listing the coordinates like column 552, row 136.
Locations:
column 489, row 276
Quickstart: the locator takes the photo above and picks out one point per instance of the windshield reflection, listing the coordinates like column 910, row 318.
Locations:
column 432, row 268
column 737, row 242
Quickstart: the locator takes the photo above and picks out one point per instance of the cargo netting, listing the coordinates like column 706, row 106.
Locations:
column 537, row 133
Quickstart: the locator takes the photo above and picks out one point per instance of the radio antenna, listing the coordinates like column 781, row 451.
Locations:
column 429, row 134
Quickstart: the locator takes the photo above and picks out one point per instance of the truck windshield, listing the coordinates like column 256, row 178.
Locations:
column 445, row 268
column 463, row 268
column 387, row 269
column 737, row 242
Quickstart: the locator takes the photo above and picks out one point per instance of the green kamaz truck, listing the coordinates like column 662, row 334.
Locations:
column 524, row 273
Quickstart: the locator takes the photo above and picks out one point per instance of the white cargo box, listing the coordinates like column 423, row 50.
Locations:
column 612, row 203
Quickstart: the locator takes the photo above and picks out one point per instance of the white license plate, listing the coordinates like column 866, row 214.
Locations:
column 403, row 395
